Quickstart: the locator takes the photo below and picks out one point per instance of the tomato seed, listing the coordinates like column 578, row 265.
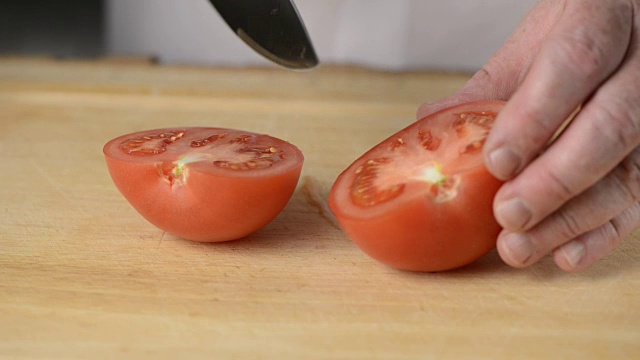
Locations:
column 472, row 147
column 483, row 119
column 241, row 139
column 397, row 143
column 207, row 140
column 428, row 140
column 364, row 192
column 149, row 144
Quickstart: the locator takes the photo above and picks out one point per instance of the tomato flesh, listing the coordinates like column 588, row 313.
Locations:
column 205, row 184
column 421, row 200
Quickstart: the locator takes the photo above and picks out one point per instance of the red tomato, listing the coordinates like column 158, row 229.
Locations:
column 205, row 184
column 421, row 200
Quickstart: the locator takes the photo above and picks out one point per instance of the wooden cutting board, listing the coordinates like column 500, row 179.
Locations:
column 83, row 276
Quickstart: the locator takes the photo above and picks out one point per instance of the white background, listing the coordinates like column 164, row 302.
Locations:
column 387, row 34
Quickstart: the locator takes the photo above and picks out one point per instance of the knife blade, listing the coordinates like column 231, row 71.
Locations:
column 273, row 28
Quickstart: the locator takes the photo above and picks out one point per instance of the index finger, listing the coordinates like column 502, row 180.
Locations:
column 586, row 46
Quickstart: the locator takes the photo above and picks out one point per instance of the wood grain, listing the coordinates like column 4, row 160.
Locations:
column 83, row 276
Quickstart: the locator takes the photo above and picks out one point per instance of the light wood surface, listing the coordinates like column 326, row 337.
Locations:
column 83, row 276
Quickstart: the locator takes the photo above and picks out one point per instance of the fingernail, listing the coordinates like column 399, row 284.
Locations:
column 513, row 214
column 574, row 252
column 519, row 247
column 504, row 163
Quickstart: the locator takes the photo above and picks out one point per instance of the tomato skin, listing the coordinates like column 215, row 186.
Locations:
column 420, row 237
column 209, row 207
column 417, row 234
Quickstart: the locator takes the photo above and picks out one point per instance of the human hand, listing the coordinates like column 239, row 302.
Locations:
column 577, row 197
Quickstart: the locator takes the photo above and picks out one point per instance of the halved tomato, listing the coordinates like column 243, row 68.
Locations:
column 205, row 184
column 421, row 200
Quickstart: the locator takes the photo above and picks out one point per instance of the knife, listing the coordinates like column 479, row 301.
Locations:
column 273, row 28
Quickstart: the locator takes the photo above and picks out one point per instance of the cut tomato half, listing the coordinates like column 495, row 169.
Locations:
column 205, row 184
column 422, row 199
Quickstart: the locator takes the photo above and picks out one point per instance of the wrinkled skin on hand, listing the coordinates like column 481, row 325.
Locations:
column 578, row 196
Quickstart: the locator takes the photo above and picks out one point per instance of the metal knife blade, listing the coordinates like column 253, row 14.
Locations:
column 273, row 28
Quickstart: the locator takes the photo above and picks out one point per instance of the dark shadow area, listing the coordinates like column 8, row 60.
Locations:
column 544, row 271
column 61, row 28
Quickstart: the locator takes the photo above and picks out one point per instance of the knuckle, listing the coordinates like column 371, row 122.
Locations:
column 484, row 82
column 497, row 79
column 615, row 122
column 569, row 225
column 618, row 228
column 630, row 175
column 595, row 39
column 484, row 75
column 556, row 184
column 583, row 52
column 613, row 232
column 540, row 125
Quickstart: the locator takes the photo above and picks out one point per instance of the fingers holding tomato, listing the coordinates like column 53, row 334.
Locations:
column 582, row 50
column 205, row 184
column 562, row 199
column 558, row 197
column 591, row 214
column 594, row 245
